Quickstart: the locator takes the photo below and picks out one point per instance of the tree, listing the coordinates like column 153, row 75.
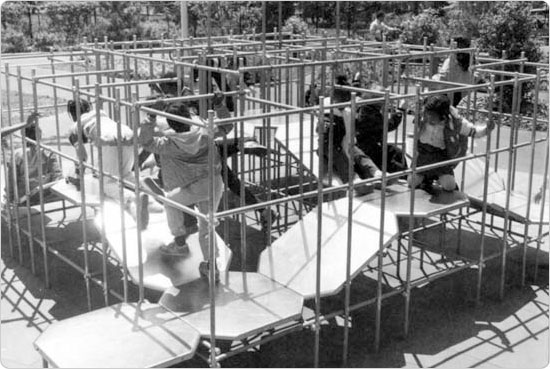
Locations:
column 509, row 27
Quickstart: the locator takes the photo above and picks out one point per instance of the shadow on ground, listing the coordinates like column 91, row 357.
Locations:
column 443, row 313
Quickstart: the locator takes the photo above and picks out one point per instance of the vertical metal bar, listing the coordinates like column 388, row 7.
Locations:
column 101, row 177
column 500, row 108
column 269, row 155
column 84, row 216
column 382, row 213
column 26, row 169
column 212, row 236
column 300, row 94
column 424, row 49
column 13, row 183
column 121, row 197
column 530, row 183
column 516, row 136
column 134, row 40
column 40, row 182
column 347, row 285
column 507, row 225
column 56, row 110
column 319, row 239
column 412, row 219
column 137, row 194
column 481, row 260
column 337, row 27
column 242, row 195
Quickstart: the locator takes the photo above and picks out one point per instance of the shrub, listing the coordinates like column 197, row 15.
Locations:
column 296, row 25
column 45, row 41
column 14, row 41
column 509, row 27
column 426, row 24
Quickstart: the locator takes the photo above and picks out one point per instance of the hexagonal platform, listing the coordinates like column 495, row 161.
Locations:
column 119, row 336
column 246, row 304
column 517, row 207
column 160, row 271
column 398, row 200
column 292, row 258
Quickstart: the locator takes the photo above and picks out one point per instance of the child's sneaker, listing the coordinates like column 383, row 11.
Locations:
column 204, row 271
column 363, row 190
column 174, row 249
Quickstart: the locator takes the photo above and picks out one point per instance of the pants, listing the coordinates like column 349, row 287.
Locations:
column 396, row 161
column 362, row 164
column 197, row 194
column 427, row 154
column 111, row 166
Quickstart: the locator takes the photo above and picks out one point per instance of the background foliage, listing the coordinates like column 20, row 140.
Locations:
column 46, row 25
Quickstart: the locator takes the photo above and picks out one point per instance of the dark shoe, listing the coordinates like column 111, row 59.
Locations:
column 364, row 190
column 428, row 187
column 75, row 181
column 204, row 271
column 254, row 148
column 174, row 249
column 264, row 220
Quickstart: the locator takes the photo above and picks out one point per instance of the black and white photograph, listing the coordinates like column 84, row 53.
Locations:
column 287, row 184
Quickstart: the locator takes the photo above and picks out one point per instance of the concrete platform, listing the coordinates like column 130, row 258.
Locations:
column 246, row 304
column 159, row 271
column 292, row 258
column 119, row 336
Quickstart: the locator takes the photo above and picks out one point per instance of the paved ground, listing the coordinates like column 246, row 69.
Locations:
column 447, row 329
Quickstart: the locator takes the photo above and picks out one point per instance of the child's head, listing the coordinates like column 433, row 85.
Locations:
column 166, row 88
column 181, row 110
column 31, row 130
column 380, row 16
column 339, row 95
column 437, row 108
column 85, row 107
column 463, row 59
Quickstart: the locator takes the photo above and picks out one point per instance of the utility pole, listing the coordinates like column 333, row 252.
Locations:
column 184, row 20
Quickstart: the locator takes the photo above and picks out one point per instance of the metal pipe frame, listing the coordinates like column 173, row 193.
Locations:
column 286, row 96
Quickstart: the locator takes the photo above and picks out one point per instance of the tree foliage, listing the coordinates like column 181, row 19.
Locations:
column 426, row 24
column 509, row 27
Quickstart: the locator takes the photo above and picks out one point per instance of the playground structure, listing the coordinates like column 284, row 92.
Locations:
column 324, row 235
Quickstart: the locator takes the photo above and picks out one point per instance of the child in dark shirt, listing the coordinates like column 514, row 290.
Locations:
column 443, row 135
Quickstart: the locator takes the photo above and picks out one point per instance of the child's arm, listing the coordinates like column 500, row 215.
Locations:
column 222, row 112
column 467, row 128
column 80, row 149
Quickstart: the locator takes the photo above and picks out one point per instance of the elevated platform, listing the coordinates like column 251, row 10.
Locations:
column 246, row 304
column 125, row 335
column 497, row 196
column 517, row 207
column 160, row 271
column 398, row 200
column 69, row 192
column 292, row 259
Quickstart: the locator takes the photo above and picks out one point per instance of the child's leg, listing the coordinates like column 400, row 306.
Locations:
column 204, row 208
column 447, row 182
column 363, row 164
column 176, row 218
